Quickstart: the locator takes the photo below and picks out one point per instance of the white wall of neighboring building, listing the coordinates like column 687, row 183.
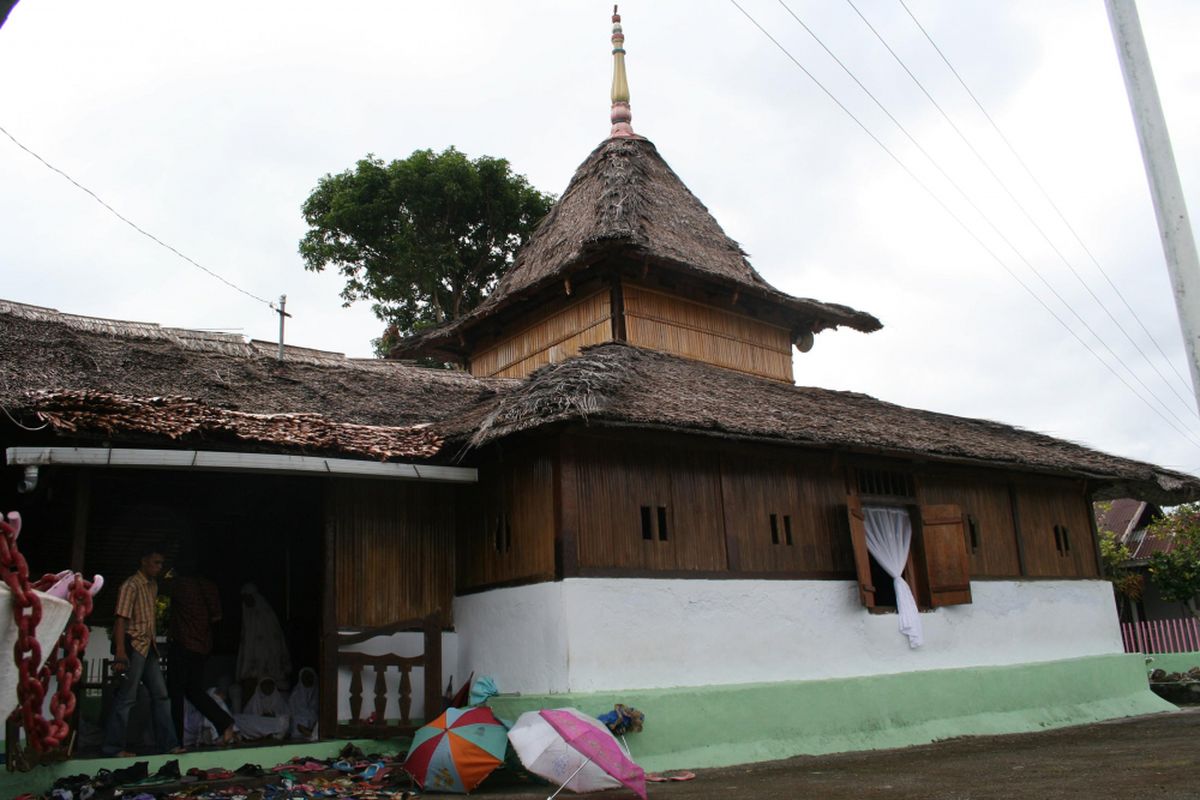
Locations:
column 583, row 635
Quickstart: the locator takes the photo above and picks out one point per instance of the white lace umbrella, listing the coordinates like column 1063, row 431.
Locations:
column 573, row 750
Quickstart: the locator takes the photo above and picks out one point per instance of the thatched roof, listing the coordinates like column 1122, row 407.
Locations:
column 185, row 420
column 619, row 384
column 625, row 200
column 94, row 375
column 84, row 375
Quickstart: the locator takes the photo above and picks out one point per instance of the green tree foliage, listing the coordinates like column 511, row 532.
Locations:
column 424, row 238
column 1177, row 573
column 1114, row 554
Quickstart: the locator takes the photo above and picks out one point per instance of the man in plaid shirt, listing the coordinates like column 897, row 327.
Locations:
column 136, row 655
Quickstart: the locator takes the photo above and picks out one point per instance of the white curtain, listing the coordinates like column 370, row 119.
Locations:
column 889, row 535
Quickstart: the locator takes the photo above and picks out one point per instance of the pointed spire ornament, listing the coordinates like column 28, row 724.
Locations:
column 621, row 115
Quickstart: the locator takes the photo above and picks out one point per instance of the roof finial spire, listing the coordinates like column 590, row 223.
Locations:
column 621, row 115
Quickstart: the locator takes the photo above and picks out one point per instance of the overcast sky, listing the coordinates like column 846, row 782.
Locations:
column 208, row 124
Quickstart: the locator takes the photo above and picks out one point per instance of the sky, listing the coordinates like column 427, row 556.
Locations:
column 209, row 124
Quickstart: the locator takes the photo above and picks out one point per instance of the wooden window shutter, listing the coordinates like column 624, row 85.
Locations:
column 862, row 558
column 944, row 550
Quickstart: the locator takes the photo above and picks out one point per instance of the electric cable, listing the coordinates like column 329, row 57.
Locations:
column 1182, row 431
column 987, row 220
column 134, row 225
column 1045, row 194
column 1189, row 403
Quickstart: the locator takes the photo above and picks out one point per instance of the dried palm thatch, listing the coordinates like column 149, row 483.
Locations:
column 127, row 368
column 620, row 384
column 184, row 420
column 624, row 199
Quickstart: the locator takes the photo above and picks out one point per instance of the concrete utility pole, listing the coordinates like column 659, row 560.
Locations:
column 1179, row 245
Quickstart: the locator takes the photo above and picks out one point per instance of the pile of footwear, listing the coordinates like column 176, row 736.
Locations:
column 351, row 774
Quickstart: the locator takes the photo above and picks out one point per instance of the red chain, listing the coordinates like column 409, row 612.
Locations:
column 34, row 677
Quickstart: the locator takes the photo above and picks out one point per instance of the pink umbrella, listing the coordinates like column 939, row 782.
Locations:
column 591, row 744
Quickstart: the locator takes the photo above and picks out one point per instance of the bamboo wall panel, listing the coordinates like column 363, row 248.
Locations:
column 395, row 550
column 617, row 480
column 507, row 534
column 1044, row 505
column 805, row 496
column 686, row 328
column 985, row 501
column 558, row 336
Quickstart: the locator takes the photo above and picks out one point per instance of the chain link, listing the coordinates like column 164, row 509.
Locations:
column 33, row 679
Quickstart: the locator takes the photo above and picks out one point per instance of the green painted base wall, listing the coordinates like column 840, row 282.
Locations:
column 40, row 779
column 716, row 726
column 1173, row 662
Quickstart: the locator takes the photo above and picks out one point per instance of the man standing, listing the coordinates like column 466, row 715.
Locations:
column 195, row 608
column 136, row 655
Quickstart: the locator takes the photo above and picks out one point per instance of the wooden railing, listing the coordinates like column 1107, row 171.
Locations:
column 376, row 725
column 1162, row 636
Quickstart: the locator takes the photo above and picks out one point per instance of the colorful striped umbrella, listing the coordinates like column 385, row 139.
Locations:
column 456, row 751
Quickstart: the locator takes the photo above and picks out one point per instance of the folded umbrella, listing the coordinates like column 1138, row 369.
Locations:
column 575, row 751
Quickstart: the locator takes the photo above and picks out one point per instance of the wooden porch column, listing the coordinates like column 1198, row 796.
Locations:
column 329, row 629
column 79, row 519
column 433, row 666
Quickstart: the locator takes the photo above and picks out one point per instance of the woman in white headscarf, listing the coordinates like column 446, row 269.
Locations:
column 303, row 705
column 266, row 715
column 263, row 652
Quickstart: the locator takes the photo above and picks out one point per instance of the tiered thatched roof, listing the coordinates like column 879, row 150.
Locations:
column 105, row 376
column 624, row 200
column 617, row 384
column 135, row 382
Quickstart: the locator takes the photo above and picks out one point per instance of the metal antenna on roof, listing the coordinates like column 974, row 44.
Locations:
column 282, row 314
column 621, row 116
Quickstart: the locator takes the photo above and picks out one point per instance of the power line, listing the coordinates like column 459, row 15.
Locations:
column 134, row 225
column 1187, row 403
column 1181, row 431
column 1045, row 194
column 987, row 220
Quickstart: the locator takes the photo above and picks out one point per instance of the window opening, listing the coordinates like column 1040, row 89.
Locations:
column 647, row 525
column 973, row 533
column 1058, row 539
column 1066, row 540
column 662, row 523
column 885, row 483
column 787, row 529
column 774, row 530
column 885, row 587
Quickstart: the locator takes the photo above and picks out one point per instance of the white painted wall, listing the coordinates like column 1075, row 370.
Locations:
column 583, row 635
column 517, row 635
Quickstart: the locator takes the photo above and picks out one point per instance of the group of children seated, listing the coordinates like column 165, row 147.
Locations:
column 272, row 712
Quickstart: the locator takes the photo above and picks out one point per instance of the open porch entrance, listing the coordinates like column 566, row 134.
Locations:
column 348, row 563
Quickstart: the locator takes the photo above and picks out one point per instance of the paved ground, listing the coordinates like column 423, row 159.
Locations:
column 1147, row 758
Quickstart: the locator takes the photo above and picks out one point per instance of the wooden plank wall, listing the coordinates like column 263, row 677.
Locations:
column 665, row 322
column 807, row 498
column 985, row 500
column 555, row 337
column 617, row 479
column 720, row 497
column 1043, row 505
column 507, row 535
column 395, row 549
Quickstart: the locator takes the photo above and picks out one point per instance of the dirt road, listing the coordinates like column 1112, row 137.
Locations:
column 1147, row 758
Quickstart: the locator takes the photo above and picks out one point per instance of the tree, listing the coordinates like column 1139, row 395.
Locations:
column 1177, row 572
column 425, row 238
column 1114, row 554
